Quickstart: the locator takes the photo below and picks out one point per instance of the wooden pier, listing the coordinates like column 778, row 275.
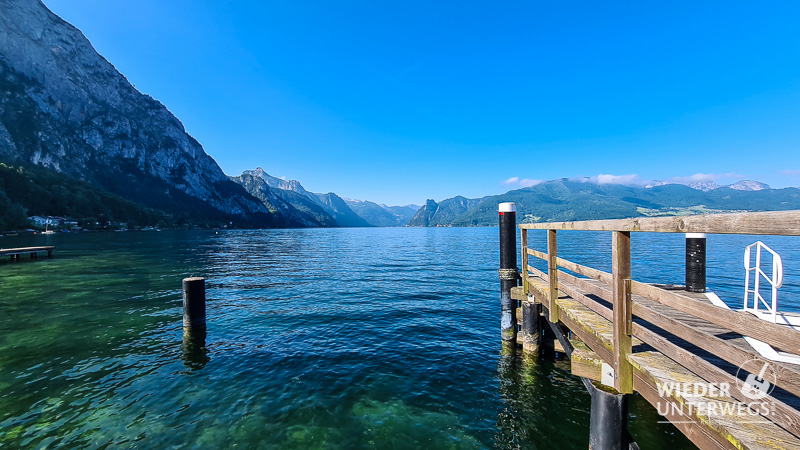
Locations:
column 624, row 336
column 15, row 253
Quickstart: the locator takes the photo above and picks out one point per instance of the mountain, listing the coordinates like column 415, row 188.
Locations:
column 705, row 186
column 64, row 107
column 295, row 201
column 444, row 212
column 382, row 215
column 749, row 185
column 566, row 200
column 296, row 207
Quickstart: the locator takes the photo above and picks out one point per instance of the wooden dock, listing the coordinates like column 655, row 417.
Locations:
column 628, row 336
column 15, row 253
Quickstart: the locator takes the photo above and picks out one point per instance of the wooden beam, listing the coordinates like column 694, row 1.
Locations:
column 537, row 254
column 621, row 301
column 570, row 285
column 595, row 274
column 785, row 223
column 552, row 274
column 537, row 272
column 524, row 243
column 785, row 338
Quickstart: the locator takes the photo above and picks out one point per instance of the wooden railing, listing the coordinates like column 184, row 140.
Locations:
column 628, row 317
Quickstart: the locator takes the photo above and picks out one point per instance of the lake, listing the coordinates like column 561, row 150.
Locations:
column 317, row 339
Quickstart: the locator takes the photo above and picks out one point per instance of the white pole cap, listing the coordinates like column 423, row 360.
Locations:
column 507, row 207
column 695, row 235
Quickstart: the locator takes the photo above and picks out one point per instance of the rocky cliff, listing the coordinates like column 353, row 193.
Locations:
column 65, row 107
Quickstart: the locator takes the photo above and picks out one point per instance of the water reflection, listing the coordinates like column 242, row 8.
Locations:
column 194, row 354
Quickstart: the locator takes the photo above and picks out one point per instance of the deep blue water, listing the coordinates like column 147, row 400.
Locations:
column 318, row 338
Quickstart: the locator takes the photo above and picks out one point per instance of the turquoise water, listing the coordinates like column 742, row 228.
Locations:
column 325, row 338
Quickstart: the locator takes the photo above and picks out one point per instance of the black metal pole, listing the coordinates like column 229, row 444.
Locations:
column 508, row 270
column 608, row 420
column 194, row 303
column 696, row 262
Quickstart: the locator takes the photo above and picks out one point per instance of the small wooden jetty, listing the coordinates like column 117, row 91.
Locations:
column 15, row 253
column 684, row 355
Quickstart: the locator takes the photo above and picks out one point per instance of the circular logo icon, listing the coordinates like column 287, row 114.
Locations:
column 756, row 378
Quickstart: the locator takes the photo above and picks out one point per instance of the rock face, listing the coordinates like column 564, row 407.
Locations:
column 444, row 212
column 749, row 185
column 65, row 107
column 310, row 208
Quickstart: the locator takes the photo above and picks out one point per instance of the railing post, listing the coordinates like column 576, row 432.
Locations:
column 523, row 236
column 696, row 262
column 552, row 274
column 508, row 270
column 621, row 302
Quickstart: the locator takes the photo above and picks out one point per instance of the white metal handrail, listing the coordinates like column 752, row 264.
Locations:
column 775, row 281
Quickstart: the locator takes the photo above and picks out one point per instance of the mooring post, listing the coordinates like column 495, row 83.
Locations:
column 508, row 270
column 531, row 331
column 194, row 303
column 696, row 262
column 608, row 420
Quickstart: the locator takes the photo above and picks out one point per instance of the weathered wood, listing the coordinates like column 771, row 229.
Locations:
column 22, row 250
column 787, row 339
column 586, row 363
column 518, row 294
column 537, row 272
column 552, row 273
column 595, row 274
column 570, row 285
column 785, row 223
column 621, row 309
column 788, row 380
column 590, row 328
column 694, row 429
column 537, row 254
column 524, row 244
column 780, row 413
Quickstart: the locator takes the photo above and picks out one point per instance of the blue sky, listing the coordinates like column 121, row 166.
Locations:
column 397, row 102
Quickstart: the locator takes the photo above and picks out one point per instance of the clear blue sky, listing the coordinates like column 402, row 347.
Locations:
column 399, row 101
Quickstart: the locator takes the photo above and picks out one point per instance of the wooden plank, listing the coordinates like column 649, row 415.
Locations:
column 552, row 273
column 570, row 285
column 524, row 243
column 590, row 328
column 785, row 223
column 696, row 432
column 621, row 310
column 586, row 363
column 537, row 272
column 518, row 294
column 788, row 380
column 537, row 254
column 21, row 250
column 786, row 339
column 725, row 423
column 780, row 413
column 595, row 274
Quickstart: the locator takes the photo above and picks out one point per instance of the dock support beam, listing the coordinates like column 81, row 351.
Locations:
column 194, row 303
column 608, row 426
column 531, row 331
column 696, row 262
column 508, row 270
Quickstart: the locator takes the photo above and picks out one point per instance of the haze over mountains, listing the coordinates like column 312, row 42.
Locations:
column 77, row 138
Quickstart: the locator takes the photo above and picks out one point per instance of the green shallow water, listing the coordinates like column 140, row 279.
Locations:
column 317, row 339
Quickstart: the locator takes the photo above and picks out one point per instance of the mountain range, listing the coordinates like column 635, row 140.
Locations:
column 77, row 138
column 568, row 199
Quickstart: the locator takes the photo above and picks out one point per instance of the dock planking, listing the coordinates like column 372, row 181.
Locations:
column 15, row 253
column 668, row 336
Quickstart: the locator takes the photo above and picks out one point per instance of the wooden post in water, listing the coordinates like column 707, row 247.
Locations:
column 508, row 270
column 194, row 303
column 696, row 262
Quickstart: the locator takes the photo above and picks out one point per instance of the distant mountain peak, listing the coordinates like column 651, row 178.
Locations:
column 749, row 185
